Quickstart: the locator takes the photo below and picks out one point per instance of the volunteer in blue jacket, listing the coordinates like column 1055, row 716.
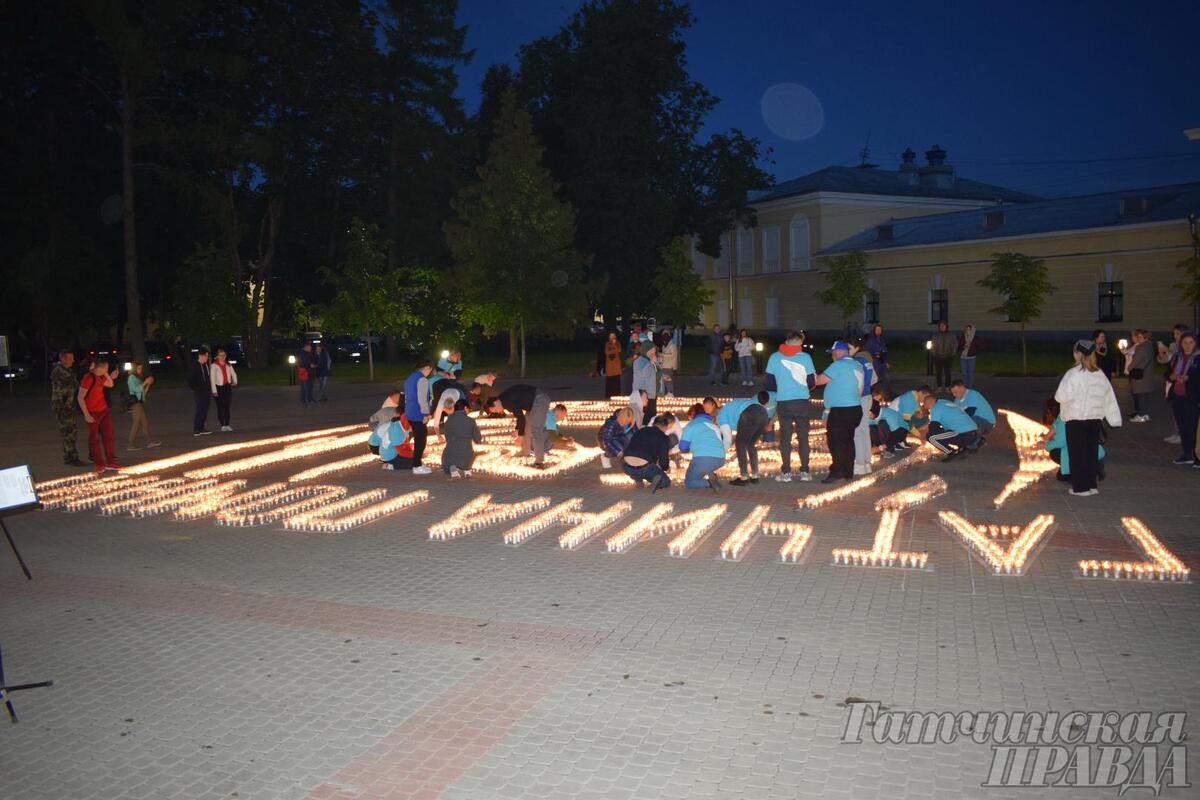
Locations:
column 951, row 430
column 791, row 373
column 862, row 434
column 843, row 381
column 750, row 417
column 396, row 445
column 451, row 366
column 391, row 404
column 911, row 406
column 888, row 428
column 416, row 409
column 702, row 438
column 645, row 379
column 976, row 406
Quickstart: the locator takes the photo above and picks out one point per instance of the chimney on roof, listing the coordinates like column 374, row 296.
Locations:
column 908, row 168
column 936, row 173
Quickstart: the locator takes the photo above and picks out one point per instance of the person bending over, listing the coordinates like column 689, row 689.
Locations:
column 750, row 417
column 702, row 438
column 976, row 406
column 614, row 435
column 462, row 433
column 529, row 405
column 647, row 457
column 951, row 430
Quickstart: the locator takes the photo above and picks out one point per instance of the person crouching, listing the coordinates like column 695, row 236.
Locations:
column 648, row 455
column 394, row 400
column 396, row 442
column 462, row 433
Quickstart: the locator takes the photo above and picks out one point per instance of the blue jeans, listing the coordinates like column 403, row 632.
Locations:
column 747, row 365
column 306, row 392
column 647, row 472
column 322, row 382
column 701, row 466
column 984, row 426
column 968, row 371
column 715, row 367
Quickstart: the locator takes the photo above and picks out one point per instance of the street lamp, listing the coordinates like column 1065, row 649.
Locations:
column 1122, row 344
column 758, row 349
column 129, row 366
column 291, row 370
column 929, row 356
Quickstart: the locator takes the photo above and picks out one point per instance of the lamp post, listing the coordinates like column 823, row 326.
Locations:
column 291, row 370
column 929, row 356
column 758, row 350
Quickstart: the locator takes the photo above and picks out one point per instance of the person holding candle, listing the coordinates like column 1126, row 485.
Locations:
column 702, row 438
column 137, row 390
column 1086, row 400
column 462, row 433
column 647, row 457
column 394, row 400
column 223, row 378
column 417, row 411
column 888, row 428
column 529, row 405
column 555, row 417
column 1183, row 392
column 615, row 434
column 911, row 407
column 843, row 381
column 976, row 406
column 791, row 373
column 951, row 430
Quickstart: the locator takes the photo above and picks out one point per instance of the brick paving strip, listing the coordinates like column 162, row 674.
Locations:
column 438, row 743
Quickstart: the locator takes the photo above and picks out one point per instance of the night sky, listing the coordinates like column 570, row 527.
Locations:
column 1055, row 98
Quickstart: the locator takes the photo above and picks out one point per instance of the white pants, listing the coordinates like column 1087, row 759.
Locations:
column 862, row 434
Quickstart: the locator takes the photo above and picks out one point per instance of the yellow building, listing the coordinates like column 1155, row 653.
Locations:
column 929, row 237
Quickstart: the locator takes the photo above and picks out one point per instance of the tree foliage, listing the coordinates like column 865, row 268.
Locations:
column 845, row 284
column 1023, row 283
column 208, row 304
column 1189, row 289
column 680, row 295
column 513, row 241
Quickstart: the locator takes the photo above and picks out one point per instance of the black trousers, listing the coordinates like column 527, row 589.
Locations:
column 419, row 434
column 612, row 385
column 649, row 412
column 941, row 370
column 1083, row 445
column 203, row 399
column 224, row 401
column 883, row 436
column 839, row 435
column 751, row 425
column 1187, row 414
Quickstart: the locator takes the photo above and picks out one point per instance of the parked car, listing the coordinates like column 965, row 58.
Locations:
column 348, row 349
column 15, row 371
column 104, row 350
column 159, row 356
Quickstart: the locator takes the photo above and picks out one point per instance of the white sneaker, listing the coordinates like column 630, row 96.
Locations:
column 388, row 466
column 1172, row 439
column 422, row 470
column 454, row 473
column 606, row 462
column 860, row 468
column 805, row 476
column 153, row 444
column 466, row 473
column 784, row 477
column 1140, row 418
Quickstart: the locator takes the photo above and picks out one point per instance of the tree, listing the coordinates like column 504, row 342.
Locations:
column 846, row 284
column 370, row 298
column 208, row 303
column 1024, row 283
column 1189, row 289
column 680, row 295
column 513, row 241
column 621, row 119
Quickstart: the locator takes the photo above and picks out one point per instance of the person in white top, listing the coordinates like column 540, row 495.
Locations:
column 223, row 378
column 744, row 347
column 1086, row 401
column 668, row 362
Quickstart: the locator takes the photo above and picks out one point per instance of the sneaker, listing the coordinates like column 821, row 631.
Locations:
column 1196, row 464
column 112, row 466
column 830, row 478
column 422, row 470
column 202, row 433
column 606, row 462
column 1172, row 439
column 1084, row 493
column 660, row 482
column 740, row 482
column 713, row 483
column 805, row 477
column 466, row 473
column 886, row 454
column 153, row 444
column 903, row 446
column 784, row 477
column 454, row 473
column 1139, row 418
column 133, row 447
column 754, row 479
column 1182, row 460
column 388, row 466
column 227, row 428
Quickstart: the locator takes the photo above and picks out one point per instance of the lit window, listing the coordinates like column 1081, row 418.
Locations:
column 1110, row 306
column 939, row 305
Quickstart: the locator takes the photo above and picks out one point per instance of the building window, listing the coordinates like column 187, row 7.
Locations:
column 772, row 312
column 871, row 307
column 745, row 313
column 1111, row 302
column 939, row 305
column 721, row 262
column 885, row 233
column 745, row 251
column 993, row 220
column 770, row 248
column 798, row 245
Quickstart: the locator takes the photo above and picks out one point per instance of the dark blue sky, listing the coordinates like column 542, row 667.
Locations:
column 1055, row 98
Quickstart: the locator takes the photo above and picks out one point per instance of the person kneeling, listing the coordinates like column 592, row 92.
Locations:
column 648, row 455
column 888, row 428
column 394, row 400
column 950, row 429
column 461, row 431
column 976, row 406
column 702, row 438
column 555, row 417
column 395, row 442
column 614, row 435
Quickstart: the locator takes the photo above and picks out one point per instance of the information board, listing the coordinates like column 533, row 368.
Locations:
column 16, row 489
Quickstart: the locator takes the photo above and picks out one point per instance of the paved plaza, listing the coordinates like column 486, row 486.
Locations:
column 197, row 661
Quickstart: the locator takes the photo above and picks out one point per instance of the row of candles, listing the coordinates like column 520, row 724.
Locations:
column 585, row 525
column 882, row 552
column 154, row 493
column 1033, row 461
column 353, row 511
column 639, row 529
column 696, row 526
column 332, row 467
column 1000, row 560
column 1162, row 565
column 481, row 512
column 319, row 446
column 540, row 522
column 284, row 505
column 918, row 456
column 170, row 462
column 914, row 495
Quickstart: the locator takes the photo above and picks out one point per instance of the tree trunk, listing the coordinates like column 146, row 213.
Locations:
column 370, row 358
column 522, row 348
column 133, row 296
column 512, row 346
column 268, row 239
column 391, row 344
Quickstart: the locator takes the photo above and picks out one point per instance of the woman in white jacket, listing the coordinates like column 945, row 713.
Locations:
column 744, row 347
column 1087, row 400
column 668, row 362
column 223, row 377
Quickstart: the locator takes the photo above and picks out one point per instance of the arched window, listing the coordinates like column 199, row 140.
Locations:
column 798, row 244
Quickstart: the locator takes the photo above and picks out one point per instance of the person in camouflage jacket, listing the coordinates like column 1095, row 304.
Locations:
column 63, row 390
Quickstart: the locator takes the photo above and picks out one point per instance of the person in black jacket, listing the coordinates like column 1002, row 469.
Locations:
column 647, row 457
column 524, row 400
column 199, row 381
column 1183, row 393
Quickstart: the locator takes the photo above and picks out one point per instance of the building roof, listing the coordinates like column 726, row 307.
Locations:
column 856, row 180
column 1106, row 210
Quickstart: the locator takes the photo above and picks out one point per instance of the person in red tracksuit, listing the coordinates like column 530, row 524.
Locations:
column 97, row 415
